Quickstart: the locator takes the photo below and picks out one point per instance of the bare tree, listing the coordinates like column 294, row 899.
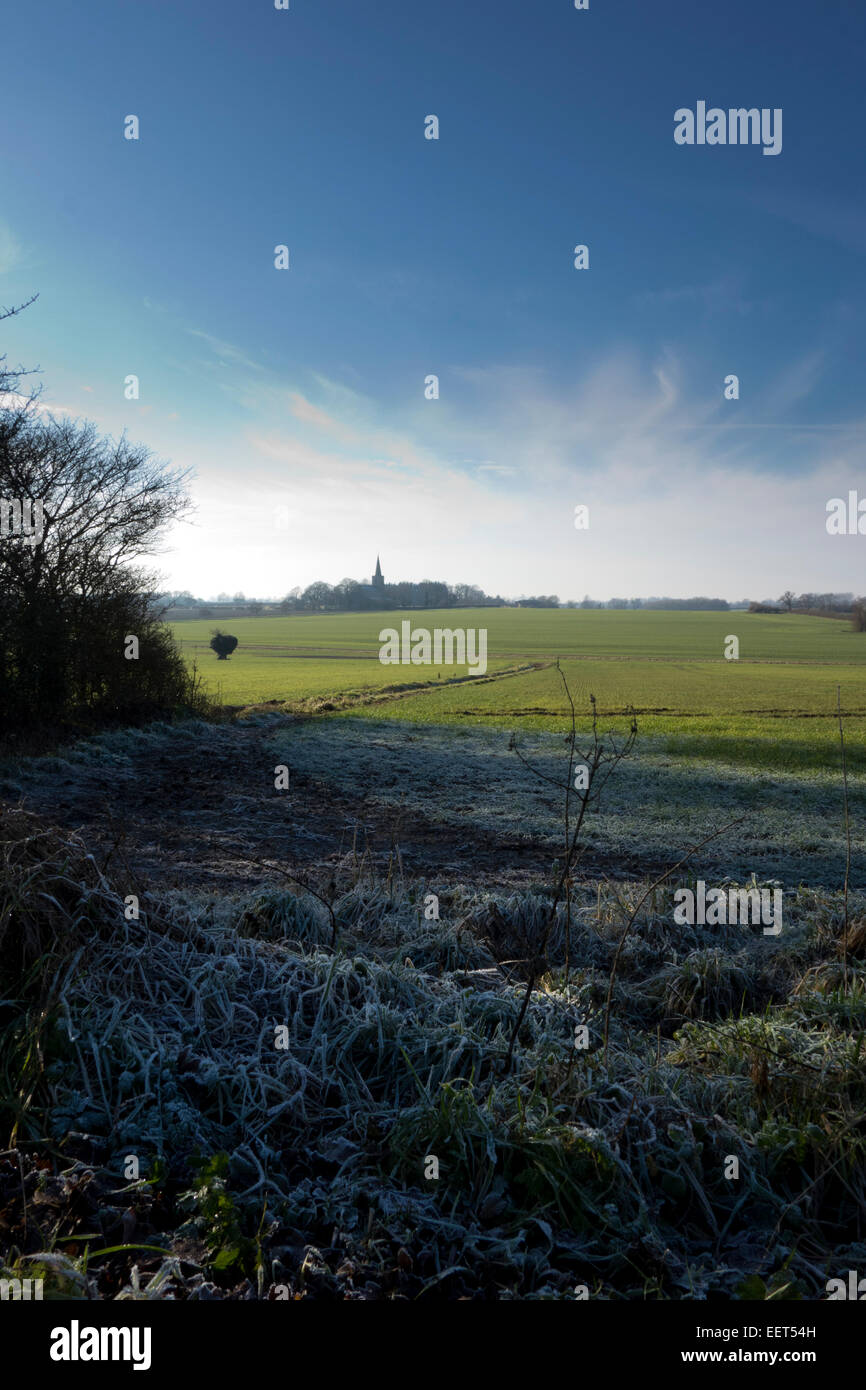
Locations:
column 72, row 588
column 105, row 503
column 10, row 377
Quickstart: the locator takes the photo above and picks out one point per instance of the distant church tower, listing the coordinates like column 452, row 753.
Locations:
column 378, row 580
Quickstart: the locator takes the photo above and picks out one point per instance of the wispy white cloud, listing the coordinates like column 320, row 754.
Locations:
column 679, row 501
column 227, row 353
column 310, row 414
column 14, row 400
column 794, row 383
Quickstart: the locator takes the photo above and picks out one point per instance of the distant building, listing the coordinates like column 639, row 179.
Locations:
column 376, row 587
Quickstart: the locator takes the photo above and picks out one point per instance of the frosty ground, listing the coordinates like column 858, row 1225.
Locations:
column 190, row 804
column 602, row 1172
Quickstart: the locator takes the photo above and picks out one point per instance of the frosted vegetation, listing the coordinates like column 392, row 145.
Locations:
column 566, row 1168
column 653, row 809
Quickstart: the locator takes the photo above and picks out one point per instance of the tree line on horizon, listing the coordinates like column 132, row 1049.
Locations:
column 350, row 596
column 817, row 605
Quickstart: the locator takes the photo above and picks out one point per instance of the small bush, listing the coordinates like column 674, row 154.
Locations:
column 223, row 644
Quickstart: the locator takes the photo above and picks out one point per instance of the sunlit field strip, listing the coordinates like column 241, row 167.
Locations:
column 517, row 633
column 693, row 690
column 745, row 715
column 253, row 679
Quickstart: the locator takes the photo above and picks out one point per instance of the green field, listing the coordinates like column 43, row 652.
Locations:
column 776, row 704
column 534, row 633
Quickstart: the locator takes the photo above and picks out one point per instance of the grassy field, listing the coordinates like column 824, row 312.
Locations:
column 525, row 633
column 774, row 706
column 599, row 1165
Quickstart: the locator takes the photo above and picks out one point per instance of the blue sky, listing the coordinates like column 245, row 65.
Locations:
column 298, row 396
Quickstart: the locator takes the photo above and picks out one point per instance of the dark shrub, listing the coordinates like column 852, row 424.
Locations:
column 223, row 644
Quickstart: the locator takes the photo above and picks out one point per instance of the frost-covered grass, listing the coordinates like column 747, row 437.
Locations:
column 466, row 780
column 305, row 1164
column 110, row 752
column 656, row 806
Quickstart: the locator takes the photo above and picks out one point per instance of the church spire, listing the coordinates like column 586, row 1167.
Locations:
column 378, row 580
